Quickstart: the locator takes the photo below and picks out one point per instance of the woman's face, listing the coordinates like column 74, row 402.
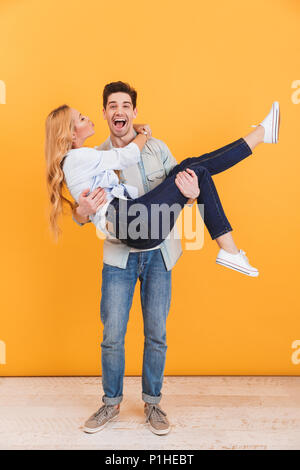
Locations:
column 83, row 127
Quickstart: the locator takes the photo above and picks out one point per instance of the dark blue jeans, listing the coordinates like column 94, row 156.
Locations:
column 146, row 230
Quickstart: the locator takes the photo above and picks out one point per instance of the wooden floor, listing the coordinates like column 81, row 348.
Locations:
column 205, row 413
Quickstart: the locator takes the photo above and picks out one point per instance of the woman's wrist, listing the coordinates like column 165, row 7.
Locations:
column 82, row 218
column 140, row 140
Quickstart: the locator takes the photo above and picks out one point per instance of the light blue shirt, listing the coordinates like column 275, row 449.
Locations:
column 86, row 167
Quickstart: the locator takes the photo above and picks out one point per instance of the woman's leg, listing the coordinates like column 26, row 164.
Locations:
column 227, row 243
column 167, row 193
column 225, row 157
column 255, row 137
column 146, row 221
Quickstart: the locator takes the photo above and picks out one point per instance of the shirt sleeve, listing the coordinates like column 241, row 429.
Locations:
column 87, row 162
column 79, row 223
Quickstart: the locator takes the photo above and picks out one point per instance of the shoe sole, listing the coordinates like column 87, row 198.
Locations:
column 237, row 268
column 160, row 432
column 92, row 431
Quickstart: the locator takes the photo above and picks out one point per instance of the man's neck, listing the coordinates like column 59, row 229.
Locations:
column 123, row 141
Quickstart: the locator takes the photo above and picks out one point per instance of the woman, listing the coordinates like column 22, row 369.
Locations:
column 70, row 163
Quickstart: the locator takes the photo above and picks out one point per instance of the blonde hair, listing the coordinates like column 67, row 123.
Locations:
column 59, row 128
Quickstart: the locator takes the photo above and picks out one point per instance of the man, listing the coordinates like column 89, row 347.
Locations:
column 122, row 266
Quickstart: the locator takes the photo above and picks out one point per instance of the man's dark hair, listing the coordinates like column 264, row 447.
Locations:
column 116, row 87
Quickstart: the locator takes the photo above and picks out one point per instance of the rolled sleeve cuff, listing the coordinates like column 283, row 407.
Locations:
column 79, row 223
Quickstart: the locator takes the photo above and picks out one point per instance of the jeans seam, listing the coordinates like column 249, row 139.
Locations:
column 236, row 144
column 222, row 233
column 246, row 145
column 216, row 203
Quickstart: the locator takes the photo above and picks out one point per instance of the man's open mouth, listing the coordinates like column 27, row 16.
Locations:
column 119, row 123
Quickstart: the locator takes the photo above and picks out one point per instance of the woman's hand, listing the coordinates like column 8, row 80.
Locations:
column 88, row 204
column 141, row 128
column 187, row 183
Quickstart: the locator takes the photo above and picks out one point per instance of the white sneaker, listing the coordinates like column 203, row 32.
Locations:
column 271, row 124
column 238, row 262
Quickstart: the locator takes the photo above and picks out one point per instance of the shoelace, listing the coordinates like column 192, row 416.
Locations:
column 156, row 413
column 105, row 411
column 243, row 253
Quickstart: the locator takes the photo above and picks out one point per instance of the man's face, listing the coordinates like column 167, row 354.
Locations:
column 119, row 114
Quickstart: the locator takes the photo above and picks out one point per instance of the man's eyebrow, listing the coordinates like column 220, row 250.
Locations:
column 124, row 102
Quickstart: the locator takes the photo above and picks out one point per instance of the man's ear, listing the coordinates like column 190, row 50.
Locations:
column 135, row 111
column 104, row 113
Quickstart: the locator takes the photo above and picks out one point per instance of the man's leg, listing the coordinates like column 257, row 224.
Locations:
column 116, row 300
column 117, row 292
column 155, row 299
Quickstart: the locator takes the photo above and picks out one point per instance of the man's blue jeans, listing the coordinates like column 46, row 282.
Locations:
column 117, row 293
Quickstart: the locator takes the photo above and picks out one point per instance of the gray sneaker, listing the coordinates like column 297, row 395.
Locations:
column 157, row 419
column 99, row 420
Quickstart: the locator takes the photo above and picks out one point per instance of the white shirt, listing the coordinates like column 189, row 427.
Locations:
column 86, row 167
column 136, row 175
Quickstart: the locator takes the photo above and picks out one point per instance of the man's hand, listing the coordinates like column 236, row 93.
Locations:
column 141, row 128
column 88, row 204
column 187, row 183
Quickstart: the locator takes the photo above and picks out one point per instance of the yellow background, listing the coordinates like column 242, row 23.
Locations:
column 204, row 71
